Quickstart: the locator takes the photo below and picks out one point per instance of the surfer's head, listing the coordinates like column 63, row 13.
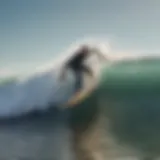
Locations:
column 84, row 49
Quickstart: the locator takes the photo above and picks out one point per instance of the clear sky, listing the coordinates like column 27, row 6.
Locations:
column 34, row 31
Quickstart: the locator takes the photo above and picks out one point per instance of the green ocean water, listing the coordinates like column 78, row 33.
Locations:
column 129, row 97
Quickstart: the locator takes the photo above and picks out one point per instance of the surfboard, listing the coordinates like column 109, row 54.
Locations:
column 82, row 95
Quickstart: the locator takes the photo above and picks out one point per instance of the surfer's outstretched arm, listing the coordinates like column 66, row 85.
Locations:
column 100, row 55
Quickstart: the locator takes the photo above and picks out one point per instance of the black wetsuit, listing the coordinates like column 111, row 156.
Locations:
column 77, row 66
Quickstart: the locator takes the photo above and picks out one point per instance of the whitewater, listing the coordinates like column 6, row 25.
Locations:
column 41, row 89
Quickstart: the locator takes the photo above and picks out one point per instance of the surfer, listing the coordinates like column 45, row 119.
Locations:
column 77, row 66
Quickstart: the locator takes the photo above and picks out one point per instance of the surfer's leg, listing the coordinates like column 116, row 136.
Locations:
column 79, row 80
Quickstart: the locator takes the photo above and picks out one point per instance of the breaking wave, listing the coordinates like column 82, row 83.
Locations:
column 37, row 91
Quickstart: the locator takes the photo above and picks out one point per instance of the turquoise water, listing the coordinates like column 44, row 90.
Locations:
column 128, row 97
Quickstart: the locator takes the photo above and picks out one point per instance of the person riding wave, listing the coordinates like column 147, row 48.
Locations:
column 76, row 64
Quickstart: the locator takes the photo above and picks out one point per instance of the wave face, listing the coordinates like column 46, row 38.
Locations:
column 130, row 97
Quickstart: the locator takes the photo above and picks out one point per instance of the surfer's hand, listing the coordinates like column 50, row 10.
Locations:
column 104, row 58
column 100, row 55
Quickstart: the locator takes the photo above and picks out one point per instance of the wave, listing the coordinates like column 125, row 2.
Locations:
column 37, row 91
column 42, row 89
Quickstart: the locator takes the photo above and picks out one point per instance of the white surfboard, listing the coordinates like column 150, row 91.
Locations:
column 81, row 95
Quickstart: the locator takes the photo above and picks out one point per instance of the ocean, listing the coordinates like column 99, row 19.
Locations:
column 119, row 120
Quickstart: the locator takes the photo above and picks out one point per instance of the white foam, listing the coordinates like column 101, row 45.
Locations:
column 36, row 91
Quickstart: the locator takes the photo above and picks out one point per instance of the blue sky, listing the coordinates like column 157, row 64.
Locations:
column 34, row 31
